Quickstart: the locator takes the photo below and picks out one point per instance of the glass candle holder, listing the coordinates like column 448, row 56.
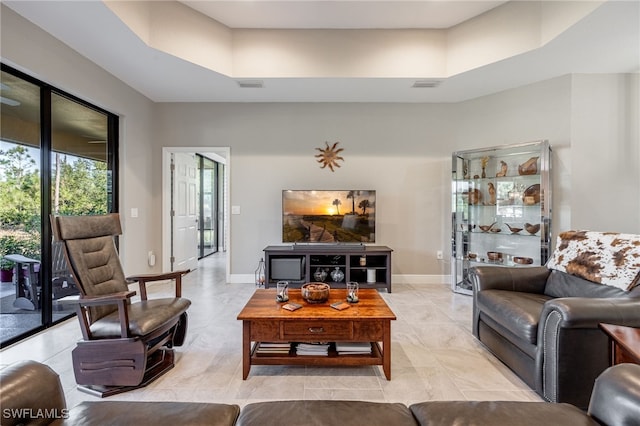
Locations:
column 282, row 291
column 352, row 292
column 259, row 275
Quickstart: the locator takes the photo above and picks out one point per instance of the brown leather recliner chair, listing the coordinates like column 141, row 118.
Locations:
column 125, row 345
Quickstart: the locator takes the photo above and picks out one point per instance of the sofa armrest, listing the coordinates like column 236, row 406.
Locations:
column 572, row 350
column 585, row 312
column 31, row 394
column 528, row 280
column 616, row 396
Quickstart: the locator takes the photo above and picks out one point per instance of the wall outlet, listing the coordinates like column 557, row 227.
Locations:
column 439, row 255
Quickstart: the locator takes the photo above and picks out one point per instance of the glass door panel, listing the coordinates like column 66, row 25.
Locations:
column 208, row 224
column 79, row 179
column 20, row 207
column 220, row 208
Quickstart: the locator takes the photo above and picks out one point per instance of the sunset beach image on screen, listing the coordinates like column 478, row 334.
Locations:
column 328, row 216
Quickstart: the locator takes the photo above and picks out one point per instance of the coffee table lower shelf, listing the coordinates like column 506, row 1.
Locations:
column 332, row 359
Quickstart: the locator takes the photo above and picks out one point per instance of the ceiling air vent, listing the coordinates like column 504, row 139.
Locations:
column 426, row 84
column 251, row 84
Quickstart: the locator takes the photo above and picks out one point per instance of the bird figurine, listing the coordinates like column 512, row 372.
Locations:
column 513, row 229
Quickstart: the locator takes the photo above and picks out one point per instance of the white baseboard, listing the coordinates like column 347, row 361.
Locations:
column 242, row 279
column 395, row 279
column 420, row 279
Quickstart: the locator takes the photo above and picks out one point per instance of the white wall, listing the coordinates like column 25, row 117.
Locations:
column 401, row 150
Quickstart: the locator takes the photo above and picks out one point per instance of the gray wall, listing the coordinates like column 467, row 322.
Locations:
column 401, row 150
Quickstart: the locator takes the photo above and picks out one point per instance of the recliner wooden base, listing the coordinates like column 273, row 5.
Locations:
column 158, row 363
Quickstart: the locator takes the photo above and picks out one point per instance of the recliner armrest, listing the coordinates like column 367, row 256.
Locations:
column 121, row 299
column 157, row 277
column 142, row 280
column 615, row 399
column 109, row 299
column 528, row 280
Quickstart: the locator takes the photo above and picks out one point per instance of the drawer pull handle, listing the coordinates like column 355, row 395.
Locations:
column 316, row 329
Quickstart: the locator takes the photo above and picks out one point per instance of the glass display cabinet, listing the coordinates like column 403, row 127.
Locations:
column 501, row 209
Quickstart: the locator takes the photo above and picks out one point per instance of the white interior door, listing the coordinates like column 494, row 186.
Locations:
column 185, row 211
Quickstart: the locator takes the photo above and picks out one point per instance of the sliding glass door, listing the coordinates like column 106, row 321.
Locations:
column 210, row 197
column 57, row 155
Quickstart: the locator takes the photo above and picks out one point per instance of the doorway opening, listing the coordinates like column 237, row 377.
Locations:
column 195, row 205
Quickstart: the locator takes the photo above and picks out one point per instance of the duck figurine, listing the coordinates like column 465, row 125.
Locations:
column 513, row 229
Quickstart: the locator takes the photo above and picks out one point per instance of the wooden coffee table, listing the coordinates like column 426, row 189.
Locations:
column 264, row 320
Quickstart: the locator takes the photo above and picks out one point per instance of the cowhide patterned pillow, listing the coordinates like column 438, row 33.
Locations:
column 602, row 257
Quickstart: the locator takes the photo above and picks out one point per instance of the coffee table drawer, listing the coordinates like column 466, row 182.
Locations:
column 316, row 330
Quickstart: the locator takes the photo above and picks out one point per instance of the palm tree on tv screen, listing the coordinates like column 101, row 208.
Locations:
column 337, row 203
column 364, row 204
column 352, row 195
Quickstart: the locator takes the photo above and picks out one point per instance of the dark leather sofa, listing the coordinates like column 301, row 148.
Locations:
column 543, row 324
column 31, row 394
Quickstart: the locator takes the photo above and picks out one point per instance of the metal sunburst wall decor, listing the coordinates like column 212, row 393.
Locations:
column 329, row 156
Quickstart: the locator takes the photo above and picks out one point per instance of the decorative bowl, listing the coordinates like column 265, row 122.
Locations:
column 486, row 228
column 529, row 167
column 494, row 255
column 531, row 195
column 315, row 292
column 532, row 229
column 523, row 260
column 472, row 255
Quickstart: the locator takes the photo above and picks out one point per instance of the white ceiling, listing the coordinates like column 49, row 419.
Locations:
column 353, row 14
column 606, row 41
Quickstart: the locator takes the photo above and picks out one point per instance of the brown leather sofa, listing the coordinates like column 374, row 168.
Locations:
column 543, row 324
column 31, row 394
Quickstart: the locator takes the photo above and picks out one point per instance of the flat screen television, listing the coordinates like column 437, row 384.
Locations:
column 327, row 216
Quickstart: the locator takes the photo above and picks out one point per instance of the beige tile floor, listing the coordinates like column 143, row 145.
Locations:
column 434, row 355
